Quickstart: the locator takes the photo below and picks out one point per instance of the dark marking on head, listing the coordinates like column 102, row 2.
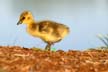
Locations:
column 23, row 18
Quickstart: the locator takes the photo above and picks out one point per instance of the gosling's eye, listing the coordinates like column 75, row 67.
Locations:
column 28, row 18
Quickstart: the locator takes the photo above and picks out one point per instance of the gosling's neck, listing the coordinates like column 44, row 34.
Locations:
column 32, row 26
column 30, row 23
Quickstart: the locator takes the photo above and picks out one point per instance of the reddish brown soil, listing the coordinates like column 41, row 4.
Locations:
column 17, row 59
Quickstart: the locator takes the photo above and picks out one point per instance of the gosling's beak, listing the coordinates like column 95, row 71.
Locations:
column 19, row 22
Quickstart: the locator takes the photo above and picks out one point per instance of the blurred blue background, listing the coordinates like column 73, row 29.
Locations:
column 86, row 19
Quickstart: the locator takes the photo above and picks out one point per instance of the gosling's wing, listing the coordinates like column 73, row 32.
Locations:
column 44, row 27
column 51, row 27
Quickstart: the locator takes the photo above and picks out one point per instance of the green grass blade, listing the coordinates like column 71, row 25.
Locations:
column 102, row 38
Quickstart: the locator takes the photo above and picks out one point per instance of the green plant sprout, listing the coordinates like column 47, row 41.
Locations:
column 104, row 39
column 53, row 49
column 39, row 49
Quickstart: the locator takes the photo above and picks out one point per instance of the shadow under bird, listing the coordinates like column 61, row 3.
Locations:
column 49, row 31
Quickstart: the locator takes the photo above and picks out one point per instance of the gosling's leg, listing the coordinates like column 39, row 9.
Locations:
column 48, row 46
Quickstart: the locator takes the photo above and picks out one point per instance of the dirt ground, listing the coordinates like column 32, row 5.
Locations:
column 17, row 59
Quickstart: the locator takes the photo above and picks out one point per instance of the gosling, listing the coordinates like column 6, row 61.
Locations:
column 49, row 31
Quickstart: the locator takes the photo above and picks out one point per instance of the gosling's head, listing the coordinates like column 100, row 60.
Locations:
column 25, row 18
